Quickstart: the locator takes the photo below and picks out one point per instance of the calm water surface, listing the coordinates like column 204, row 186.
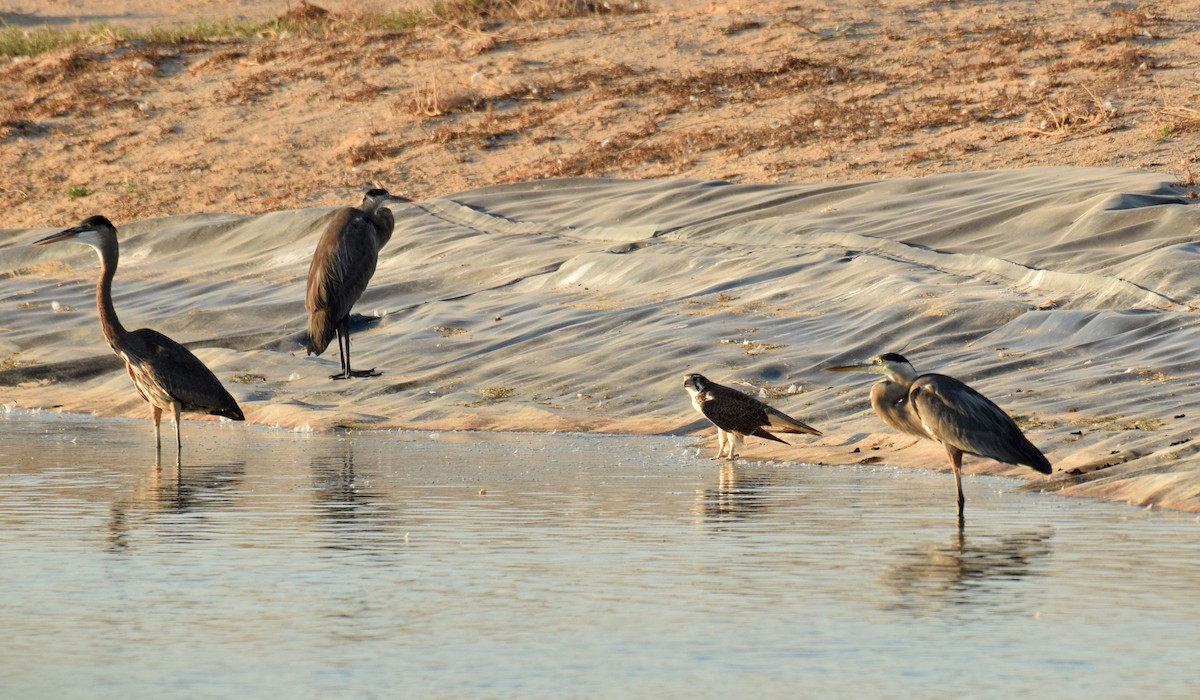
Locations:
column 497, row 565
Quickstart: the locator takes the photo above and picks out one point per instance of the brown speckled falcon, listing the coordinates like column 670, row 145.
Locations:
column 737, row 415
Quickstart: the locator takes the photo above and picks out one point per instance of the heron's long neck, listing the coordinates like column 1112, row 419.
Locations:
column 903, row 375
column 110, row 325
column 384, row 223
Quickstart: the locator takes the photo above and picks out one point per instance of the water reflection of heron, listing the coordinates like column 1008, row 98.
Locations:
column 959, row 572
column 195, row 490
column 346, row 501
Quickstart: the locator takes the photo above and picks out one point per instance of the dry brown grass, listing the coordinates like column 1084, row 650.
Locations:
column 1125, row 25
column 473, row 13
column 438, row 99
column 1083, row 108
column 796, row 93
column 1176, row 119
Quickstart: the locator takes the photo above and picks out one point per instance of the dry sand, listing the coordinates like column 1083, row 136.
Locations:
column 800, row 187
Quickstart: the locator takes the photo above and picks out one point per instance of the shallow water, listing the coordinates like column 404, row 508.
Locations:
column 276, row 564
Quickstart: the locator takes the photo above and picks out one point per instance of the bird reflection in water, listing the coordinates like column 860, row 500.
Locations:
column 345, row 501
column 737, row 495
column 965, row 571
column 173, row 491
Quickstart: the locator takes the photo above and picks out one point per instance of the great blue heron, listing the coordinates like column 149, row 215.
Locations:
column 945, row 410
column 165, row 373
column 737, row 415
column 342, row 264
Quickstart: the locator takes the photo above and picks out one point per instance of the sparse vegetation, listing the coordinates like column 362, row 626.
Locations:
column 1176, row 120
column 1120, row 423
column 473, row 12
column 497, row 393
column 1149, row 374
column 1027, row 423
column 247, row 378
column 77, row 191
column 437, row 100
column 14, row 361
column 947, row 96
column 1075, row 110
column 303, row 18
column 753, row 348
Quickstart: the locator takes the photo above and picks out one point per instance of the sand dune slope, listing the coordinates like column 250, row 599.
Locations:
column 1064, row 294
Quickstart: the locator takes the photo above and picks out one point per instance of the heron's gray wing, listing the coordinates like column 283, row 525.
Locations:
column 963, row 418
column 342, row 265
column 175, row 371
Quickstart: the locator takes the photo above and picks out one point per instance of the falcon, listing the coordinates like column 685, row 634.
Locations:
column 737, row 415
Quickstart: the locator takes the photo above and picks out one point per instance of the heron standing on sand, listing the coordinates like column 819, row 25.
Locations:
column 165, row 373
column 342, row 265
column 943, row 409
column 737, row 415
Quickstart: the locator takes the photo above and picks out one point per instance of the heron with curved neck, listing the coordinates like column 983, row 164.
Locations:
column 943, row 409
column 165, row 373
column 343, row 263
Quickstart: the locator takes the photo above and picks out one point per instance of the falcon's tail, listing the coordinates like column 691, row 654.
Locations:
column 764, row 434
column 786, row 424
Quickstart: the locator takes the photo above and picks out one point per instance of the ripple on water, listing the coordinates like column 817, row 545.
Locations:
column 495, row 564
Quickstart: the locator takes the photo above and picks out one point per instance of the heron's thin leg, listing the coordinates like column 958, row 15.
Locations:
column 955, row 457
column 350, row 372
column 156, row 417
column 175, row 405
column 344, row 345
column 343, row 353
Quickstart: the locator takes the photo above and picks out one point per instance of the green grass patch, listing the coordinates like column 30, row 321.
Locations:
column 18, row 41
column 305, row 18
column 15, row 41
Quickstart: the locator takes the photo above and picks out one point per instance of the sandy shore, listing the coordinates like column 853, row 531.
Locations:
column 516, row 307
column 749, row 237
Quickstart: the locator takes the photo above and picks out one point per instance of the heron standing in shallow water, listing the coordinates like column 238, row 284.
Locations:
column 342, row 265
column 737, row 415
column 943, row 409
column 165, row 373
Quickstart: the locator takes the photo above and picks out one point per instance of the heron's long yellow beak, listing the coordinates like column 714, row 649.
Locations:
column 62, row 235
